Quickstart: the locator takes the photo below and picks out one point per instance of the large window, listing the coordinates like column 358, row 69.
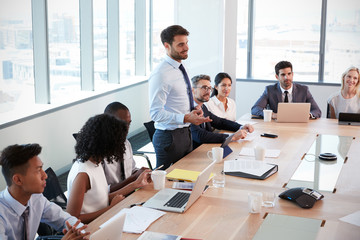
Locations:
column 62, row 31
column 127, row 38
column 163, row 18
column 64, row 49
column 291, row 30
column 16, row 56
column 342, row 48
column 100, row 43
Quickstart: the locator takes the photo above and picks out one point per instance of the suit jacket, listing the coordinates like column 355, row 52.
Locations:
column 203, row 133
column 272, row 95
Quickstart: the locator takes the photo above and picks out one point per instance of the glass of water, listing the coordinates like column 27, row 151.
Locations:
column 219, row 179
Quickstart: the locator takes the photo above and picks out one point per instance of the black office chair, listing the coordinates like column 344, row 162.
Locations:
column 54, row 193
column 328, row 111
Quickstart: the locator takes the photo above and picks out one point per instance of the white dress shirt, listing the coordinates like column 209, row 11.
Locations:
column 41, row 209
column 216, row 107
column 168, row 97
column 290, row 90
column 113, row 170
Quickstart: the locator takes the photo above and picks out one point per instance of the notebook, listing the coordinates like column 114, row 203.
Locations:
column 293, row 112
column 225, row 146
column 184, row 175
column 111, row 231
column 175, row 200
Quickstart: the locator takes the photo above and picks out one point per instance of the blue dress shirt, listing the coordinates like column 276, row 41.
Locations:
column 168, row 97
column 41, row 210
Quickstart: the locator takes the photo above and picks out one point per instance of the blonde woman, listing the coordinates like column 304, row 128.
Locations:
column 348, row 98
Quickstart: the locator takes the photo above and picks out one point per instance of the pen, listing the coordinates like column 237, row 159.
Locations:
column 137, row 204
column 158, row 167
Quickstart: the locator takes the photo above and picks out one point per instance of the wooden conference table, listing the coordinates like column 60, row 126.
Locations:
column 222, row 213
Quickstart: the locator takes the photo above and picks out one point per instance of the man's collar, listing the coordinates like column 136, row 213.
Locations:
column 289, row 90
column 15, row 204
column 172, row 62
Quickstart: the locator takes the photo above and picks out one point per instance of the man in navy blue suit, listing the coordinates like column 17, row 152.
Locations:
column 204, row 133
column 285, row 91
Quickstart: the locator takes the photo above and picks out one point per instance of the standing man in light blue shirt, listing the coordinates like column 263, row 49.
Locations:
column 171, row 101
column 22, row 205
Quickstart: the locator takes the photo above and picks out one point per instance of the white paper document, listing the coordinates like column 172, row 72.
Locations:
column 353, row 218
column 270, row 153
column 138, row 219
column 249, row 137
column 253, row 167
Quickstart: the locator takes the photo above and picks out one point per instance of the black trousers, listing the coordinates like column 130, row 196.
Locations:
column 171, row 145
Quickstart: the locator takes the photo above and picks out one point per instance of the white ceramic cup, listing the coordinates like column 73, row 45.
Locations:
column 268, row 199
column 267, row 115
column 254, row 202
column 216, row 154
column 259, row 152
column 158, row 177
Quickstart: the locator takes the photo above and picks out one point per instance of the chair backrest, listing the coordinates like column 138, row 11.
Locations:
column 150, row 129
column 53, row 191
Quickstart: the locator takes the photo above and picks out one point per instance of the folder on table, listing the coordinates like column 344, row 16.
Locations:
column 253, row 169
column 184, row 175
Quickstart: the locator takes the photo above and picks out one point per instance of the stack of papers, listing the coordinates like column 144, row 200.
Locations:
column 158, row 236
column 270, row 153
column 249, row 168
column 138, row 219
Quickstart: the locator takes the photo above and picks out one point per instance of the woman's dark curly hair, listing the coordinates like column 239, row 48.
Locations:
column 102, row 137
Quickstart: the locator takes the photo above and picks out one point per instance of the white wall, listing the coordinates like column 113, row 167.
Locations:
column 53, row 131
column 204, row 20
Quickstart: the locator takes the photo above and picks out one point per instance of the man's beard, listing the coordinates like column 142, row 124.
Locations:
column 177, row 56
column 202, row 100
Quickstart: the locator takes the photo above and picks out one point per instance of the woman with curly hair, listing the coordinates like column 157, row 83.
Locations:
column 101, row 139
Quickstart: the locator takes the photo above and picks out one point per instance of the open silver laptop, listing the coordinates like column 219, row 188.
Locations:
column 293, row 112
column 175, row 200
column 111, row 230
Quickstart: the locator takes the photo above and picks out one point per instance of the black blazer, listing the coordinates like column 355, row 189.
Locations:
column 203, row 133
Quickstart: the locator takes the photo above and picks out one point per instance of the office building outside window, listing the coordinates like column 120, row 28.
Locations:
column 342, row 48
column 64, row 49
column 16, row 56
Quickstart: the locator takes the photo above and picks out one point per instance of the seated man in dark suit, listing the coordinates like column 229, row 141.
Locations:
column 284, row 91
column 204, row 133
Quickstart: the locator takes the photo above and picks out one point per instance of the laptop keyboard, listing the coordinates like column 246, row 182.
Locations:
column 178, row 200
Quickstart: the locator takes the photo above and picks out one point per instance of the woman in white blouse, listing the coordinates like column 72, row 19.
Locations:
column 219, row 103
column 348, row 98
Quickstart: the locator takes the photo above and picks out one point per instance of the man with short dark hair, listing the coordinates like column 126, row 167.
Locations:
column 204, row 133
column 22, row 205
column 171, row 101
column 284, row 91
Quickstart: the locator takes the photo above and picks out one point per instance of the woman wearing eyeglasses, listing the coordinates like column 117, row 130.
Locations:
column 348, row 98
column 219, row 103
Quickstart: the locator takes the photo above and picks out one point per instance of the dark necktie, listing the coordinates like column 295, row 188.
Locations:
column 286, row 99
column 187, row 81
column 25, row 215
